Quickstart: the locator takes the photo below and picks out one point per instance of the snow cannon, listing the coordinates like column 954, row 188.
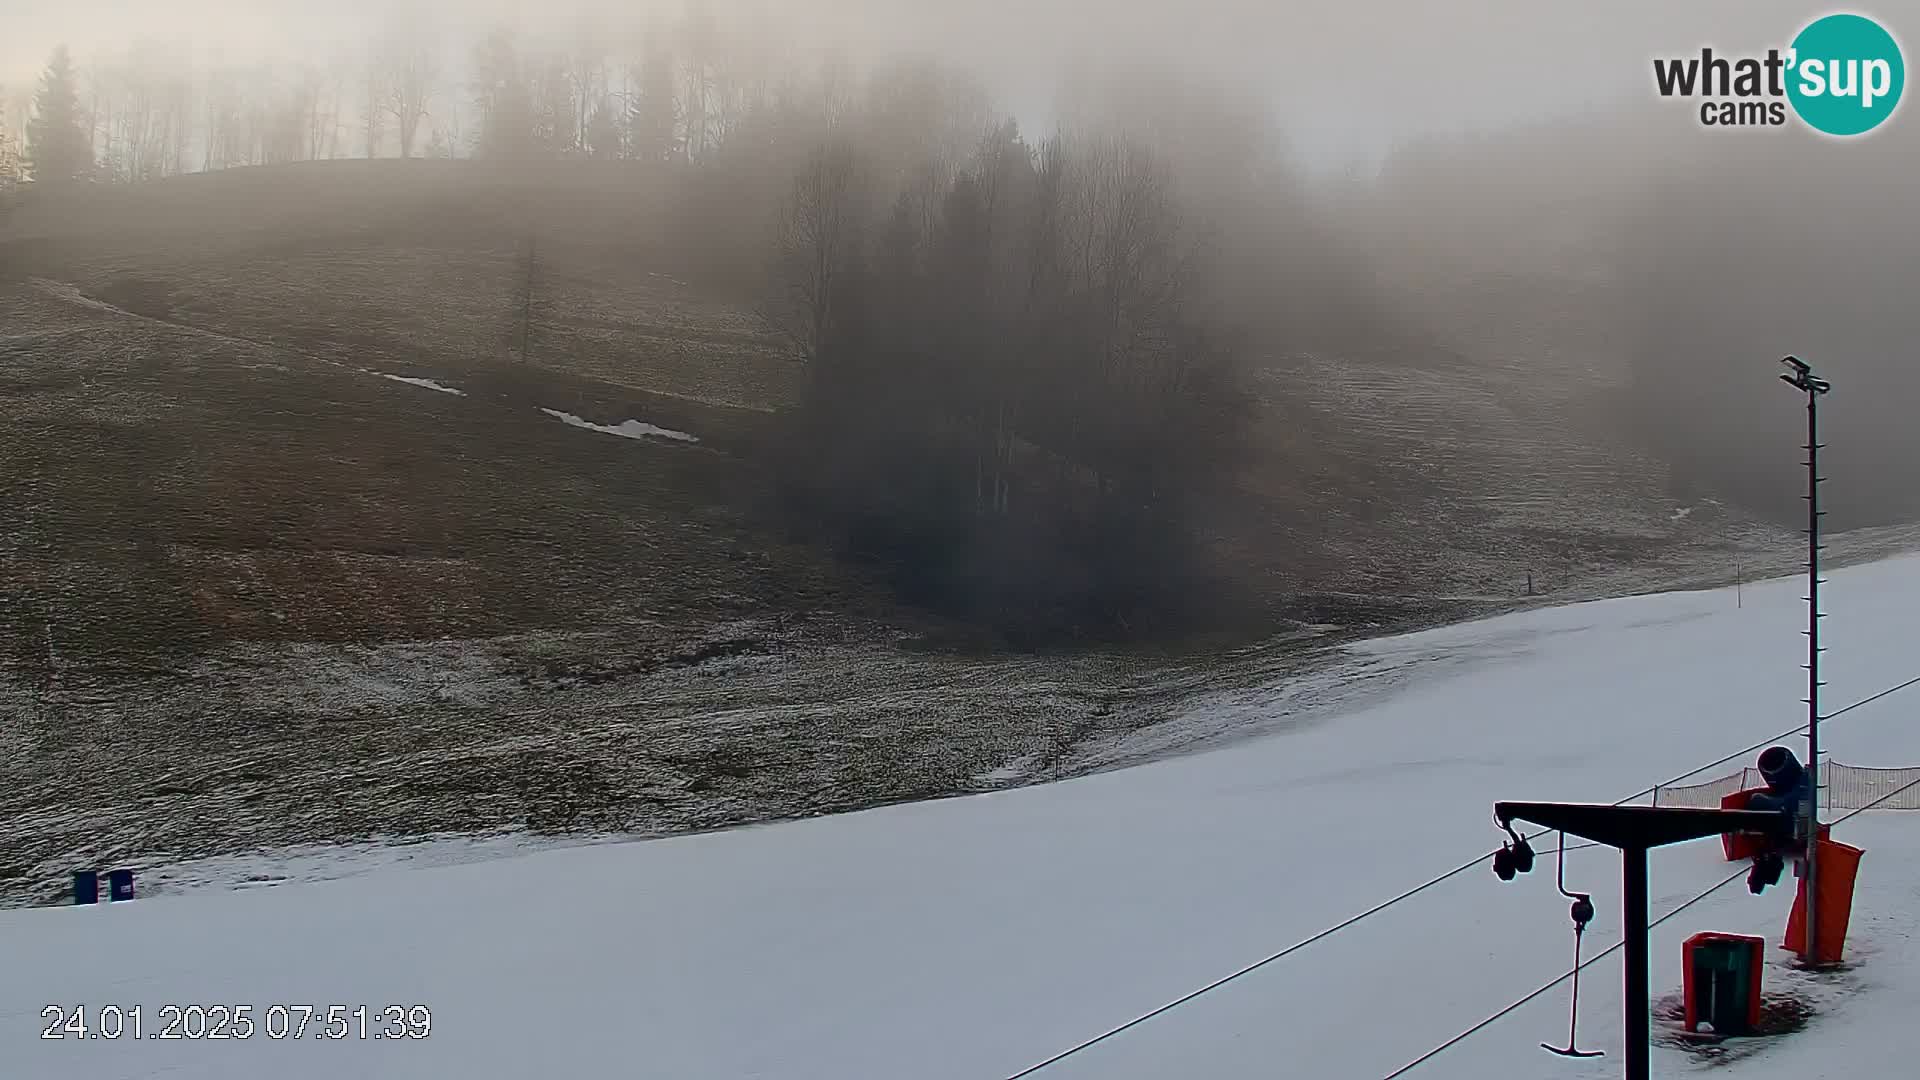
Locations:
column 1789, row 785
column 1787, row 781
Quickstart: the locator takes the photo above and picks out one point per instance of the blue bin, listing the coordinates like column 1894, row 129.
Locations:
column 86, row 887
column 119, row 885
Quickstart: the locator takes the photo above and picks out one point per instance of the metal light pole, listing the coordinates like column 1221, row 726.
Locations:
column 1801, row 377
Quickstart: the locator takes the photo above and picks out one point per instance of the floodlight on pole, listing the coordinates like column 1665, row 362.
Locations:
column 1800, row 376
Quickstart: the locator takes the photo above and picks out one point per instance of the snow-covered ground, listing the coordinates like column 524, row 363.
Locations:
column 972, row 937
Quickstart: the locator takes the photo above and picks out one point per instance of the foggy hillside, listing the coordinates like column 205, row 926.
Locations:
column 637, row 420
column 1618, row 247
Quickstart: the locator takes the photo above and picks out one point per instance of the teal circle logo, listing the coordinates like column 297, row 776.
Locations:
column 1847, row 75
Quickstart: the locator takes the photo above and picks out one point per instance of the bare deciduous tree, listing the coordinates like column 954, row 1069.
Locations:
column 13, row 126
column 503, row 95
column 820, row 242
column 605, row 141
column 553, row 110
column 653, row 116
column 586, row 70
column 406, row 85
column 374, row 95
column 9, row 145
column 224, row 127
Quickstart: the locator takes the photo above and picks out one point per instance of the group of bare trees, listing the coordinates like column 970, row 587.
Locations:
column 12, row 119
column 679, row 95
column 140, row 117
column 1015, row 401
column 144, row 118
column 668, row 91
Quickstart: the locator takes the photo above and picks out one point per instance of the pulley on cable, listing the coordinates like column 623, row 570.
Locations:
column 1514, row 858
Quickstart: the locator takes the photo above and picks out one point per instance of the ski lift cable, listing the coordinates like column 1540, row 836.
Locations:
column 1788, row 734
column 1409, row 894
column 1915, row 681
column 1463, row 1036
column 1597, row 957
column 1744, row 751
column 1217, row 983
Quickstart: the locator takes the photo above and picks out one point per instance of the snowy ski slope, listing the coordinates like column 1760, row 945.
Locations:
column 970, row 938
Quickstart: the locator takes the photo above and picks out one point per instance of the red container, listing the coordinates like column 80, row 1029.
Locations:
column 1730, row 972
column 1838, row 865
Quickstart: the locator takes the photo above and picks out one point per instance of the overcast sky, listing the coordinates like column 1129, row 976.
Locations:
column 1343, row 73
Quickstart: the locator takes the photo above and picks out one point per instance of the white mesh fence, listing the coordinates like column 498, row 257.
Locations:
column 1842, row 787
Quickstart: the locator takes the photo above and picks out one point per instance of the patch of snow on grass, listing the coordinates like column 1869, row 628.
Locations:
column 427, row 383
column 631, row 429
column 71, row 294
column 1014, row 770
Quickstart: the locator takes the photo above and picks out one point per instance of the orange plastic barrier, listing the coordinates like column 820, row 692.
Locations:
column 1838, row 865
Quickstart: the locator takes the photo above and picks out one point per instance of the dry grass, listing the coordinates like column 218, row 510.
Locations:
column 173, row 487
